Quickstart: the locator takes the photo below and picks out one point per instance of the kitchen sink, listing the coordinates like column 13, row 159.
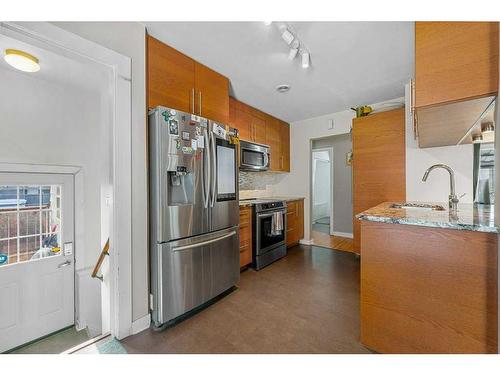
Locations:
column 418, row 206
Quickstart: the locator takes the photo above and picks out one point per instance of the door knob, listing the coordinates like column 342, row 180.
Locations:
column 64, row 264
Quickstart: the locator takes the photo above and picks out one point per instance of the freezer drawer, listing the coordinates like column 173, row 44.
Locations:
column 190, row 272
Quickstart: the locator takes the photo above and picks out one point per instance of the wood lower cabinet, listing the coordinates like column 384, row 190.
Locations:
column 379, row 158
column 245, row 236
column 176, row 81
column 294, row 222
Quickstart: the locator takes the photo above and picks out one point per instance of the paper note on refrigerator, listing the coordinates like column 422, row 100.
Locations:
column 219, row 130
column 201, row 141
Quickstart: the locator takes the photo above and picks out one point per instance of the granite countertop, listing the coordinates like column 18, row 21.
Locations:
column 251, row 201
column 479, row 218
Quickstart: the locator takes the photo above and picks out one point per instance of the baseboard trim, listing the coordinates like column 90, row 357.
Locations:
column 343, row 234
column 306, row 242
column 141, row 324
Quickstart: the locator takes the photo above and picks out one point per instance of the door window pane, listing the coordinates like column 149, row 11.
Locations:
column 30, row 222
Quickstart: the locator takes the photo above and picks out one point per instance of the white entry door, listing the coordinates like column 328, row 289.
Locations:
column 36, row 256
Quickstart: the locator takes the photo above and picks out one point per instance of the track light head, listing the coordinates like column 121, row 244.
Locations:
column 305, row 60
column 287, row 36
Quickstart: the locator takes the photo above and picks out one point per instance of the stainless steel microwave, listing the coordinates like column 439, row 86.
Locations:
column 254, row 157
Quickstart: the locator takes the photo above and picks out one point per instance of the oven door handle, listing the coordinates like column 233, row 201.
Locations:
column 269, row 214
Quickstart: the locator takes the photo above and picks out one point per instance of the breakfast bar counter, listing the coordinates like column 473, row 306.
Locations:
column 479, row 218
column 428, row 279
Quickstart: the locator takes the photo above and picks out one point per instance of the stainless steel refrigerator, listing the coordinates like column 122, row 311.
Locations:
column 194, row 212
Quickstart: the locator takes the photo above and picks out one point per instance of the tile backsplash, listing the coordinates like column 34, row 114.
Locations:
column 258, row 184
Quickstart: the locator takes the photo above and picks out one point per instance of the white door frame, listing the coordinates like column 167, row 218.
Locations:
column 48, row 36
column 328, row 149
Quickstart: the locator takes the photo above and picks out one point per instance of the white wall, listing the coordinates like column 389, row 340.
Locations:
column 45, row 122
column 128, row 38
column 437, row 186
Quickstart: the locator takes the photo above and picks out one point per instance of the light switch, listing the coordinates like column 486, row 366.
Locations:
column 330, row 124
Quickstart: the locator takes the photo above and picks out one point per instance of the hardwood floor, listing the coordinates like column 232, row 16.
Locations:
column 307, row 302
column 332, row 242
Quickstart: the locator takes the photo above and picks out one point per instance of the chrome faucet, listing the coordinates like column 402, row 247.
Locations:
column 452, row 198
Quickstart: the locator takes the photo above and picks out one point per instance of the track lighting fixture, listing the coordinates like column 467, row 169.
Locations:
column 305, row 60
column 294, row 49
column 287, row 36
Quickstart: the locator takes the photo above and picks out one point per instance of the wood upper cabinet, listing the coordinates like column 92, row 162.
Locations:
column 455, row 61
column 240, row 119
column 256, row 126
column 170, row 77
column 249, row 121
column 259, row 126
column 278, row 138
column 456, row 79
column 175, row 80
column 212, row 94
column 379, row 158
column 273, row 140
column 285, row 146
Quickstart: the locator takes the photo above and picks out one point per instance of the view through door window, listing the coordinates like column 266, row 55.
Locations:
column 30, row 222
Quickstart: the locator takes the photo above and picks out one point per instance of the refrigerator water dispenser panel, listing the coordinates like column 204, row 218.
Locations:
column 181, row 188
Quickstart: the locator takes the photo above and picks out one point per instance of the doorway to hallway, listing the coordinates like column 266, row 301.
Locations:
column 331, row 192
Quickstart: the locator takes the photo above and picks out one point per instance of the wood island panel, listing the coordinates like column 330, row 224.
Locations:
column 428, row 290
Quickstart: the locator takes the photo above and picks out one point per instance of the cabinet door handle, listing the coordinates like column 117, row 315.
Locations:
column 412, row 108
column 200, row 103
column 192, row 101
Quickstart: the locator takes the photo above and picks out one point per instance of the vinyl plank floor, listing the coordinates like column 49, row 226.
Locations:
column 307, row 302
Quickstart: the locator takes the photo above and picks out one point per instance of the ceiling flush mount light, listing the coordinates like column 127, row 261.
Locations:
column 283, row 88
column 21, row 60
column 305, row 60
column 487, row 128
column 268, row 23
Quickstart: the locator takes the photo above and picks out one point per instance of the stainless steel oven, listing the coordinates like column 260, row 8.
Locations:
column 254, row 157
column 269, row 244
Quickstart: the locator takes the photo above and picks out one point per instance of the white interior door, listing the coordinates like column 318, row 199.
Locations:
column 36, row 256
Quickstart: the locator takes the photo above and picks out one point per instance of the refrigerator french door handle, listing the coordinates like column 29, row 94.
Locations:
column 214, row 169
column 204, row 243
column 206, row 171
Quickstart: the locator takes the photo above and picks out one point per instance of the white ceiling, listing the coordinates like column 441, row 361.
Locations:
column 57, row 68
column 352, row 63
